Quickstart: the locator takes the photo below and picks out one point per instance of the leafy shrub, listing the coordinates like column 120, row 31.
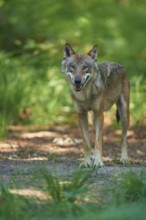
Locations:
column 11, row 206
column 130, row 187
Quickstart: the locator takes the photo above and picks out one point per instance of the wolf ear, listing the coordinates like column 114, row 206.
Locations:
column 93, row 52
column 68, row 51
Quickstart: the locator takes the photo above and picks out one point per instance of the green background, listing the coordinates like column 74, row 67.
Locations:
column 32, row 35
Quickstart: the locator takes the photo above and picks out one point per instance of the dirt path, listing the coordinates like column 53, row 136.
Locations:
column 27, row 149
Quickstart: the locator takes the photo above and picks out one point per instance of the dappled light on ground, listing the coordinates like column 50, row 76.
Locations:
column 62, row 142
column 32, row 193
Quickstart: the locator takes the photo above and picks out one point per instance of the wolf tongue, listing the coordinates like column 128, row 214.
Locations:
column 78, row 86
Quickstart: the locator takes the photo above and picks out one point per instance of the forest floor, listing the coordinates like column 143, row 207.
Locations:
column 59, row 149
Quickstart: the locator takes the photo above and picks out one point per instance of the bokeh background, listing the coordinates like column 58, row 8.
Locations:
column 32, row 35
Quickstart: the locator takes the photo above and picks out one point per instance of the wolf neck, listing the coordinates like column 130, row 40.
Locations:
column 91, row 89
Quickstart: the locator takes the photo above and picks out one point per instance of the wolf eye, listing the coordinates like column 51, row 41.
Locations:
column 86, row 68
column 72, row 68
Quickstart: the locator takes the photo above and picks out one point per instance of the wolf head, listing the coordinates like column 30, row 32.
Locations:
column 79, row 68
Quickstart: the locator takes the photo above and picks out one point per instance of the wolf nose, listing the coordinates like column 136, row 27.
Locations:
column 77, row 80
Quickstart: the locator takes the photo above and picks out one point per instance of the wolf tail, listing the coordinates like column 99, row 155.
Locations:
column 117, row 116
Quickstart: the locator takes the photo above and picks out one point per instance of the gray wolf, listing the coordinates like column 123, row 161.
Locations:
column 96, row 87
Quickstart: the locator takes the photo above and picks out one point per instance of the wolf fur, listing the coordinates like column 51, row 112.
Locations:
column 96, row 87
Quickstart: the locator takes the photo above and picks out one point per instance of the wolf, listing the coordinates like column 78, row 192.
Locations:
column 96, row 87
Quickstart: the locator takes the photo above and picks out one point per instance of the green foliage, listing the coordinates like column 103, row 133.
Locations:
column 67, row 190
column 30, row 93
column 131, row 187
column 67, row 196
column 11, row 206
column 122, row 212
column 31, row 46
column 12, row 89
column 71, row 199
column 138, row 89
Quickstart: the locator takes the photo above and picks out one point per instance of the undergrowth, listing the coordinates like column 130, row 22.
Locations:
column 70, row 199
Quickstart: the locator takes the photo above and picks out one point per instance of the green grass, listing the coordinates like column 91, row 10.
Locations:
column 71, row 198
column 11, row 206
column 130, row 187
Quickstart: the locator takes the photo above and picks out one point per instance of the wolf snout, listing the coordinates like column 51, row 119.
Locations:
column 77, row 80
column 77, row 83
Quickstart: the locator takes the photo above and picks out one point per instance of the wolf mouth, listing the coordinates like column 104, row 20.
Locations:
column 79, row 86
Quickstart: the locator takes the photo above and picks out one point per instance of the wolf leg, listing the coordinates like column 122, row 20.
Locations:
column 123, row 108
column 83, row 122
column 97, row 153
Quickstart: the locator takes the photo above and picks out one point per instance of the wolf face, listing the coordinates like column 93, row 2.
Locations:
column 78, row 67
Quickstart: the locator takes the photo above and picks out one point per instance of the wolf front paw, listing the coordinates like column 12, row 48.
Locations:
column 97, row 162
column 125, row 160
column 87, row 162
column 93, row 161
